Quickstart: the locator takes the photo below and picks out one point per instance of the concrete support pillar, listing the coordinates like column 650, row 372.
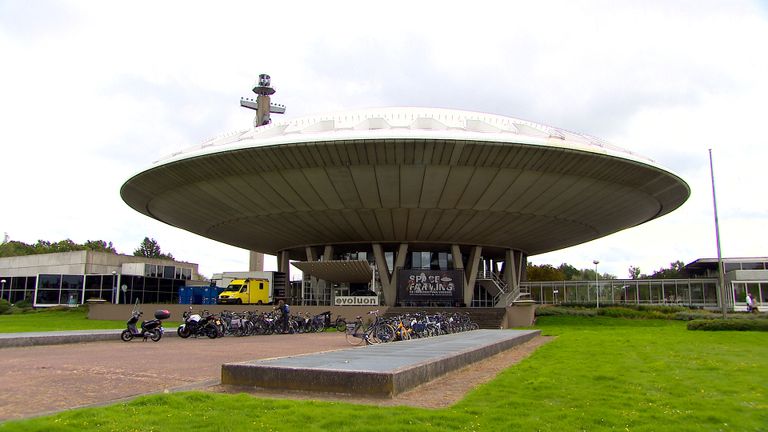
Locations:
column 328, row 253
column 470, row 274
column 387, row 276
column 284, row 262
column 511, row 273
column 458, row 262
column 256, row 261
column 314, row 282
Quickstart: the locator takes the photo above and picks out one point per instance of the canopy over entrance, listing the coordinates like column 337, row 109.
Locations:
column 337, row 271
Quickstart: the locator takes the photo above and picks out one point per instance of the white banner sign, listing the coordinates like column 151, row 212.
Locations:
column 356, row 301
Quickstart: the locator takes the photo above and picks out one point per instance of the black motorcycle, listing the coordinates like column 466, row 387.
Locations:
column 197, row 325
column 152, row 329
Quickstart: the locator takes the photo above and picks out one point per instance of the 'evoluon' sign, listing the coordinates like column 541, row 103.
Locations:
column 356, row 301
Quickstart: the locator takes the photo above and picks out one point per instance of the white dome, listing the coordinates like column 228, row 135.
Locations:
column 403, row 123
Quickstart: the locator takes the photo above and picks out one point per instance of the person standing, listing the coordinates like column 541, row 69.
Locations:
column 751, row 303
column 284, row 311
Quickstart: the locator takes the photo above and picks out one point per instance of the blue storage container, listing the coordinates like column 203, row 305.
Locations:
column 185, row 295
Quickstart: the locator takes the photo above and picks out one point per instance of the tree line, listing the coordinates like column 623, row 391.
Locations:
column 147, row 248
column 567, row 272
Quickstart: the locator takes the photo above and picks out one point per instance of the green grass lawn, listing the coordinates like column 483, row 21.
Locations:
column 598, row 374
column 54, row 320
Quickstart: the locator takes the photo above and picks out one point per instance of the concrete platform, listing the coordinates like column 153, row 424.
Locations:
column 378, row 370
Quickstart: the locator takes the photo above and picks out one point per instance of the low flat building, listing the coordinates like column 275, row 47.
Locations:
column 699, row 289
column 71, row 278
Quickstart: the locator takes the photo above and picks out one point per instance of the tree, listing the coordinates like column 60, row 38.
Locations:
column 150, row 249
column 676, row 270
column 17, row 248
column 569, row 272
column 634, row 272
column 99, row 246
column 544, row 272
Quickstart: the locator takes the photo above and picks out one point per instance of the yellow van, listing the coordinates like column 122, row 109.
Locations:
column 247, row 291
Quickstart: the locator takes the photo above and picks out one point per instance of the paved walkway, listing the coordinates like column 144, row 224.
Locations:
column 37, row 380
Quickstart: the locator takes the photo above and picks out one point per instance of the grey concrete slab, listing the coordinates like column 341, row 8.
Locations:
column 380, row 370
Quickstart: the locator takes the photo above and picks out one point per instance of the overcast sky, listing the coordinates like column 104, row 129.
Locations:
column 92, row 92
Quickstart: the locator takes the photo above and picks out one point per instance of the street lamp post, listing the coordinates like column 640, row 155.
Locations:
column 597, row 284
column 115, row 294
column 2, row 290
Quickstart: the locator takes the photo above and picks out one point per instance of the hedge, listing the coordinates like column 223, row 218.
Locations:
column 735, row 324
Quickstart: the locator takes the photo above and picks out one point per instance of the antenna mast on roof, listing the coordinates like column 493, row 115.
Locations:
column 262, row 104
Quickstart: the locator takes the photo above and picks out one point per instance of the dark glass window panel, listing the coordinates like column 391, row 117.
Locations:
column 17, row 296
column 71, row 296
column 93, row 282
column 739, row 292
column 752, row 266
column 426, row 260
column 93, row 294
column 186, row 273
column 390, row 258
column 731, row 266
column 415, row 260
column 166, row 298
column 72, row 282
column 150, row 297
column 443, row 260
column 168, row 272
column 49, row 281
column 47, row 296
column 754, row 289
column 151, row 284
column 165, row 285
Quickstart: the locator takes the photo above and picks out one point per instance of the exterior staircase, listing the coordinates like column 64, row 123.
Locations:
column 503, row 294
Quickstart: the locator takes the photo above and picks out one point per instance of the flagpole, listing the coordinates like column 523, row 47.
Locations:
column 721, row 278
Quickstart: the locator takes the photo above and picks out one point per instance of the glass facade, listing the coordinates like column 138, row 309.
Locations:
column 758, row 289
column 684, row 292
column 65, row 289
column 424, row 260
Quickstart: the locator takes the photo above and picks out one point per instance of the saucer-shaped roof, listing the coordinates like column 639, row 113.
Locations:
column 417, row 175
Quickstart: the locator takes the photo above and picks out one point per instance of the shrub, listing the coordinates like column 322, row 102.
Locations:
column 555, row 310
column 622, row 312
column 5, row 307
column 664, row 309
column 736, row 324
column 695, row 315
column 23, row 304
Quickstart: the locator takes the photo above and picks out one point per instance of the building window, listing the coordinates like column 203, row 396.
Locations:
column 168, row 272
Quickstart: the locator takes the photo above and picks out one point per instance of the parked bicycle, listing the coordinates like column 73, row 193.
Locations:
column 377, row 332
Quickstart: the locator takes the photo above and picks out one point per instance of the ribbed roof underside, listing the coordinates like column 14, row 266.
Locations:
column 267, row 196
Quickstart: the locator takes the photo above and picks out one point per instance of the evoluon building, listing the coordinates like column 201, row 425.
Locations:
column 435, row 206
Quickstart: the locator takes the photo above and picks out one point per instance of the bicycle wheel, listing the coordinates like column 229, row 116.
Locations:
column 382, row 333
column 341, row 326
column 355, row 335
